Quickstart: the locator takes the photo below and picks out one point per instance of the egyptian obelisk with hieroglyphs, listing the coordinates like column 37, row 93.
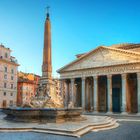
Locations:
column 47, row 85
column 47, row 60
column 47, row 80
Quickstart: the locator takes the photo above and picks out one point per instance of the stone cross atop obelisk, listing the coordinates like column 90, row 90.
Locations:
column 47, row 58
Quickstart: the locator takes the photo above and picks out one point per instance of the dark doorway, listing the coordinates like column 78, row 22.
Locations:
column 4, row 104
column 67, row 95
column 116, row 99
column 116, row 93
column 102, row 94
column 89, row 93
column 78, row 94
column 132, row 93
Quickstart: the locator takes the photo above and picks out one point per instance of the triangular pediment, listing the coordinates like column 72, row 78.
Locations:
column 101, row 57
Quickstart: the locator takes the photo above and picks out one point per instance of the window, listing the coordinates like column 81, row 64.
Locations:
column 6, row 55
column 5, row 85
column 12, row 78
column 12, row 71
column 12, row 86
column 11, row 103
column 5, row 69
column 4, row 93
column 11, row 94
column 5, row 76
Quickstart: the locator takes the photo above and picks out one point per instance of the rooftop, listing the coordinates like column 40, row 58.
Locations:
column 2, row 46
column 126, row 46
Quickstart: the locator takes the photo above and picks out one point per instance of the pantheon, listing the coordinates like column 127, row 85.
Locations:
column 105, row 79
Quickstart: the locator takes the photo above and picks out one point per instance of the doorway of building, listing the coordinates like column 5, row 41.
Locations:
column 89, row 94
column 78, row 93
column 132, row 103
column 102, row 94
column 116, row 93
column 4, row 104
column 116, row 100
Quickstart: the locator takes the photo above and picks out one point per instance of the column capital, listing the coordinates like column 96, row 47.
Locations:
column 95, row 77
column 124, row 75
column 138, row 74
column 83, row 78
column 72, row 79
column 62, row 80
column 109, row 76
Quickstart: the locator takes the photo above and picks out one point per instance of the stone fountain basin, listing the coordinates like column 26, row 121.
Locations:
column 49, row 115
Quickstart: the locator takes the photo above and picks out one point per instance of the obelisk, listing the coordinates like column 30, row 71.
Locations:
column 47, row 60
column 47, row 85
column 46, row 80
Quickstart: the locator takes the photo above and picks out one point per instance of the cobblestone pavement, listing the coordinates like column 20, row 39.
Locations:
column 126, row 131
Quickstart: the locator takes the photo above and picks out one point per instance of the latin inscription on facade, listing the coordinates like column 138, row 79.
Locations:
column 129, row 68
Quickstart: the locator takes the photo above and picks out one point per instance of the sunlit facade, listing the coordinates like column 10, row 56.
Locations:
column 8, row 78
column 106, row 79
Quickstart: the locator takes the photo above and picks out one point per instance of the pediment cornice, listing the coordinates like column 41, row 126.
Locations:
column 102, row 56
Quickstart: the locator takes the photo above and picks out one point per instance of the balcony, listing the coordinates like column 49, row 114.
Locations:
column 12, row 59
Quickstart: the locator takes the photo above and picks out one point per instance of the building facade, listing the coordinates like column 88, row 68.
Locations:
column 8, row 78
column 106, row 79
column 27, row 87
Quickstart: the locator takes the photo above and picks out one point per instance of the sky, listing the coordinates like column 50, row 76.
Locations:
column 77, row 26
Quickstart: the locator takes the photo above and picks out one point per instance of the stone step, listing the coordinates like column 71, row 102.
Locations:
column 110, row 125
column 70, row 129
column 104, row 126
column 116, row 115
column 56, row 133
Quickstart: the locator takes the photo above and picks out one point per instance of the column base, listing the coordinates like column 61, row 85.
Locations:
column 84, row 112
column 124, row 113
column 92, row 109
column 95, row 112
column 83, row 109
column 109, row 112
column 138, row 114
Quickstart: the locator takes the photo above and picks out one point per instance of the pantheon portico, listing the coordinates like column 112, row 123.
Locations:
column 106, row 79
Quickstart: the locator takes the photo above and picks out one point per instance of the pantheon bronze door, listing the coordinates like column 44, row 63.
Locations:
column 116, row 100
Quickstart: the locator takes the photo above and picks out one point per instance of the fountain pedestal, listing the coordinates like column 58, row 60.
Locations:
column 51, row 115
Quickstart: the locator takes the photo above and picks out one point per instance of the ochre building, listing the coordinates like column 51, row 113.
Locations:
column 106, row 79
column 27, row 87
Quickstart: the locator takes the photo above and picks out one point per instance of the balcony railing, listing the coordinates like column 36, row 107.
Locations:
column 12, row 59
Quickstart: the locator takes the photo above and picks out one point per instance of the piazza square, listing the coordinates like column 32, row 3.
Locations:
column 46, row 93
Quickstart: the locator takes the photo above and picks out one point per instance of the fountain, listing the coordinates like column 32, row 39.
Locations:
column 46, row 106
column 46, row 109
